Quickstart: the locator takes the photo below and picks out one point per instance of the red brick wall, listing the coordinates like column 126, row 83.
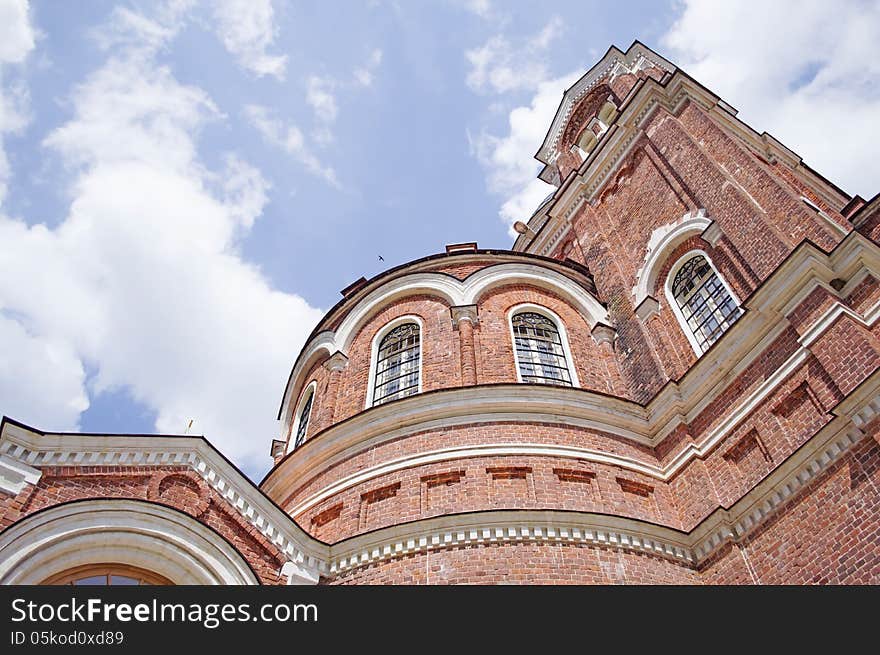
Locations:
column 828, row 534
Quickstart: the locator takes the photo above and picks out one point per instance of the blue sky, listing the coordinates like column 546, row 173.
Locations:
column 186, row 186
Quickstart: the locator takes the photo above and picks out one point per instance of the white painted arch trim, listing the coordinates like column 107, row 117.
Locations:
column 664, row 240
column 560, row 327
column 131, row 532
column 453, row 291
column 670, row 298
column 374, row 351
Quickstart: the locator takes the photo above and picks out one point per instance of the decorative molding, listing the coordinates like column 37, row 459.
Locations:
column 464, row 313
column 603, row 334
column 15, row 475
column 612, row 64
column 336, row 362
column 712, row 234
column 451, row 290
column 647, row 308
column 508, row 526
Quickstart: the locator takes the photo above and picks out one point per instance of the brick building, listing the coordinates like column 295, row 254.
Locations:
column 672, row 377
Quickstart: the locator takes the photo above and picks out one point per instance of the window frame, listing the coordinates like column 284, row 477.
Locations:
column 563, row 337
column 311, row 388
column 374, row 354
column 85, row 571
column 673, row 303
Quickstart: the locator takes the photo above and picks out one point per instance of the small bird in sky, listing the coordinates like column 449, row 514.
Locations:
column 381, row 258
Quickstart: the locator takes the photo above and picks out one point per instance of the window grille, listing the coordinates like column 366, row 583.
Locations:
column 706, row 305
column 540, row 355
column 397, row 364
column 303, row 424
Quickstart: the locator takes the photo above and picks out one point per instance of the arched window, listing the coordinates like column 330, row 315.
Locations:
column 107, row 575
column 301, row 422
column 397, row 368
column 540, row 351
column 705, row 305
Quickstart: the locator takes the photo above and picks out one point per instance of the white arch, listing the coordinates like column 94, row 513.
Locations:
column 663, row 241
column 450, row 289
column 146, row 535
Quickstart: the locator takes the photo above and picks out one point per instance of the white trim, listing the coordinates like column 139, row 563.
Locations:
column 560, row 327
column 670, row 297
column 477, row 528
column 663, row 241
column 374, row 351
column 15, row 475
column 149, row 536
column 291, row 440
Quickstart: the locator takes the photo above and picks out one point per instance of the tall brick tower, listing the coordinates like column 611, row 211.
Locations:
column 671, row 378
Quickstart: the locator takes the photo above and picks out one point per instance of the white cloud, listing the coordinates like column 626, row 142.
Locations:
column 319, row 96
column 142, row 281
column 548, row 34
column 247, row 30
column 805, row 75
column 16, row 42
column 40, row 377
column 290, row 139
column 16, row 32
column 511, row 169
column 481, row 8
column 363, row 76
column 500, row 67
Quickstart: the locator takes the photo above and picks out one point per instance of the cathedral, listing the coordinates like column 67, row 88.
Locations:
column 670, row 378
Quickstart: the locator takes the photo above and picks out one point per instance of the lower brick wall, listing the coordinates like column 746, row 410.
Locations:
column 828, row 534
column 524, row 563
